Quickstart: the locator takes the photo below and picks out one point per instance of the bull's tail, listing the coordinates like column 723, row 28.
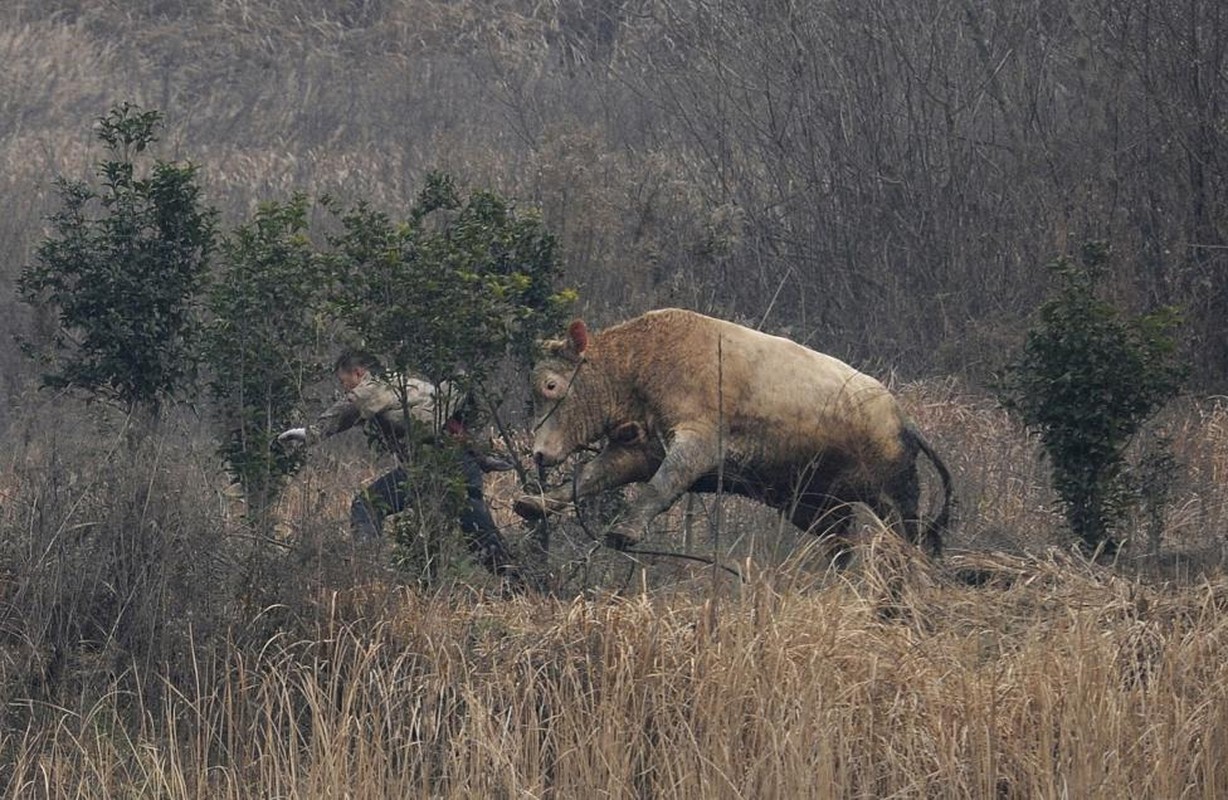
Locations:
column 932, row 530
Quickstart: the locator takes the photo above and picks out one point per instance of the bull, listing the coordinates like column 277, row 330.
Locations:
column 688, row 403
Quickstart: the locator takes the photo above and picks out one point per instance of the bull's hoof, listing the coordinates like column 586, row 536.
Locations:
column 536, row 506
column 621, row 540
column 530, row 507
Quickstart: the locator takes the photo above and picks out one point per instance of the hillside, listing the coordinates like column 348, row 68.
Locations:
column 885, row 182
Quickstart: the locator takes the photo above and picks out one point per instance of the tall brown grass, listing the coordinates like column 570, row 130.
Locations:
column 1060, row 681
column 220, row 665
column 153, row 645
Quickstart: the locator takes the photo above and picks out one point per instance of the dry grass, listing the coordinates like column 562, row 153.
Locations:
column 303, row 670
column 152, row 646
column 1054, row 679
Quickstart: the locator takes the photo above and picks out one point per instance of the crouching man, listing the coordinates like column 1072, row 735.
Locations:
column 396, row 421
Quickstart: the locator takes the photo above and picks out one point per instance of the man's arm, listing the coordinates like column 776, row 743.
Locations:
column 341, row 415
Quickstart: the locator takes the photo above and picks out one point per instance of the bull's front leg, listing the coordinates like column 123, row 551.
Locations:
column 615, row 466
column 690, row 455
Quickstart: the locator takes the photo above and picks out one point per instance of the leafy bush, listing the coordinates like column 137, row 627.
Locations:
column 456, row 290
column 121, row 271
column 264, row 308
column 1087, row 379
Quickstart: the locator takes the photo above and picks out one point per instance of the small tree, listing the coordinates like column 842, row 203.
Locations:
column 122, row 270
column 453, row 290
column 263, row 318
column 449, row 294
column 1087, row 379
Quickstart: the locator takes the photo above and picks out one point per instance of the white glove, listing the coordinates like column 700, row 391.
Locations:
column 298, row 435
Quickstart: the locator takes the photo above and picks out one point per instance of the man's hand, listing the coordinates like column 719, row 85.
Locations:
column 295, row 435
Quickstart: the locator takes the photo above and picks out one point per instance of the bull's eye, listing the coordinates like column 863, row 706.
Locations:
column 551, row 387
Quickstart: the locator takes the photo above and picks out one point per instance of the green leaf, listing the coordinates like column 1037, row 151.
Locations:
column 1087, row 379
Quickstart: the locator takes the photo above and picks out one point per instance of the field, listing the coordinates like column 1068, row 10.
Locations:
column 1055, row 680
column 151, row 648
column 882, row 181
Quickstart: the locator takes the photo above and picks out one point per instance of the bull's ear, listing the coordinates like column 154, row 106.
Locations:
column 577, row 334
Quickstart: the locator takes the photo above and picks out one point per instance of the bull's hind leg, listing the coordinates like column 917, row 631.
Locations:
column 830, row 520
column 903, row 493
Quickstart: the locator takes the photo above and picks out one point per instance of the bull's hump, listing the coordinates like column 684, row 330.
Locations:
column 691, row 367
column 685, row 347
column 695, row 334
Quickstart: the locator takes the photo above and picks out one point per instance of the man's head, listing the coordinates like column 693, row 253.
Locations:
column 352, row 366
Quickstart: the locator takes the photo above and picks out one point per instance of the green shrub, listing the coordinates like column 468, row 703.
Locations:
column 1087, row 379
column 453, row 290
column 264, row 315
column 458, row 289
column 122, row 270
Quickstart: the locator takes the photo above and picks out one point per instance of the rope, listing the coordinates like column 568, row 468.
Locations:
column 734, row 571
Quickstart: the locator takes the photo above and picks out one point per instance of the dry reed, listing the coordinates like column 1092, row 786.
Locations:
column 237, row 667
column 231, row 667
column 1056, row 678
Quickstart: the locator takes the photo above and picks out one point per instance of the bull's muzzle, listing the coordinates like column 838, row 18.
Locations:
column 546, row 457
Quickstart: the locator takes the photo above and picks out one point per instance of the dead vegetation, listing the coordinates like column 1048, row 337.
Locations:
column 152, row 645
column 1053, row 678
column 226, row 666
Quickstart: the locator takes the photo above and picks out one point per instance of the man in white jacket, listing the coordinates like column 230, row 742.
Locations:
column 398, row 410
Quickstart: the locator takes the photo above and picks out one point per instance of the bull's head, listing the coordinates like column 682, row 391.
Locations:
column 560, row 409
